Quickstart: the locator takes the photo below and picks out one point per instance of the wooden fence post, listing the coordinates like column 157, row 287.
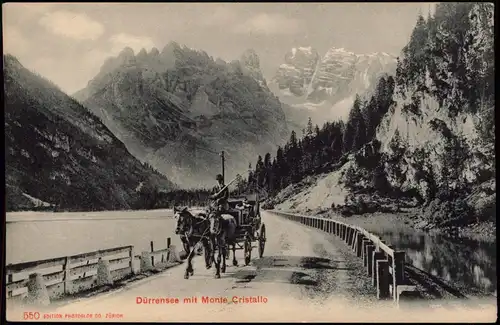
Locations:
column 131, row 254
column 383, row 279
column 66, row 279
column 398, row 265
column 359, row 244
column 152, row 256
column 169, row 242
column 9, row 280
column 369, row 259
column 377, row 256
column 351, row 236
column 366, row 241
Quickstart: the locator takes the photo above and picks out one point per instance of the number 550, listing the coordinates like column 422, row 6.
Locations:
column 31, row 315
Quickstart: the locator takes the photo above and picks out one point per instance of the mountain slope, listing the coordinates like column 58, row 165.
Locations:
column 325, row 87
column 59, row 153
column 178, row 108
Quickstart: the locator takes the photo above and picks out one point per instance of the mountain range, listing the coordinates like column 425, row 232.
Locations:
column 179, row 108
column 164, row 117
column 324, row 87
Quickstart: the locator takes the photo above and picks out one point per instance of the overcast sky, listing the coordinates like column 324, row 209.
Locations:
column 67, row 43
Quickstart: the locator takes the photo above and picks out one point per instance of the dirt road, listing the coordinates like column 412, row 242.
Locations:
column 305, row 275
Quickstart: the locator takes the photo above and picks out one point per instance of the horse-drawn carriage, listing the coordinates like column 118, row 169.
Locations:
column 239, row 226
column 246, row 211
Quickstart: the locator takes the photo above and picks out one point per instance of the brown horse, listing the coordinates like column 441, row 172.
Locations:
column 192, row 230
column 223, row 234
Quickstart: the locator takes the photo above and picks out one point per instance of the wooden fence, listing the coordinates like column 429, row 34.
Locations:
column 383, row 263
column 68, row 275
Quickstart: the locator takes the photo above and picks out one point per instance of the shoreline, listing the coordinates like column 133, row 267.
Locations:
column 410, row 219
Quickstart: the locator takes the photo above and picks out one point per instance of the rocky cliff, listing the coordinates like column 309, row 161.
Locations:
column 325, row 87
column 179, row 108
column 57, row 153
column 439, row 134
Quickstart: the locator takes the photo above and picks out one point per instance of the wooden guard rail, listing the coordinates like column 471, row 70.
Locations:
column 67, row 275
column 383, row 263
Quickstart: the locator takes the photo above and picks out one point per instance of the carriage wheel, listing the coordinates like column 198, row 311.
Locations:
column 248, row 249
column 262, row 240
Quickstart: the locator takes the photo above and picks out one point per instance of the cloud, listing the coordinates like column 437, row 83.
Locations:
column 72, row 25
column 14, row 42
column 268, row 24
column 23, row 11
column 221, row 16
column 136, row 43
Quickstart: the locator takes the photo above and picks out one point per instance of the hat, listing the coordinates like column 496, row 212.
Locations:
column 219, row 177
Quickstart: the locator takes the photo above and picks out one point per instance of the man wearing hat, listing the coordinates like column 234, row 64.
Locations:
column 220, row 196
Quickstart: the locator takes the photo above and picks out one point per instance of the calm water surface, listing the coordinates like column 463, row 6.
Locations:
column 464, row 262
column 32, row 236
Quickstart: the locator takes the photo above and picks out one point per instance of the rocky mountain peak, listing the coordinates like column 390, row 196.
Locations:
column 220, row 61
column 297, row 72
column 10, row 59
column 250, row 59
column 319, row 83
column 154, row 52
column 170, row 48
column 298, row 54
column 142, row 54
column 127, row 52
column 126, row 57
column 183, row 100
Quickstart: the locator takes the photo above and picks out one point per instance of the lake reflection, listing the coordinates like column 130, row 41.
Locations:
column 461, row 261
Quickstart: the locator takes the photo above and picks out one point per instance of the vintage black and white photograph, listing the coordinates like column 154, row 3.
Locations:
column 243, row 162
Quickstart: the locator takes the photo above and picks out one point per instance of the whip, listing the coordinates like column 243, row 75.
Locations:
column 238, row 177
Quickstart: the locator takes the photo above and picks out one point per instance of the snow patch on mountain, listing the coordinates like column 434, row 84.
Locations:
column 308, row 80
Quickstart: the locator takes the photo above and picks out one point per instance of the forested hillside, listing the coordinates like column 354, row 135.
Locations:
column 426, row 134
column 60, row 156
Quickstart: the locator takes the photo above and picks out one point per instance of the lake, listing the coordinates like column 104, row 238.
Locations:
column 464, row 262
column 34, row 236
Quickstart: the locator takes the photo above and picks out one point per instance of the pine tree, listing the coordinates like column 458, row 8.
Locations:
column 351, row 131
column 281, row 170
column 360, row 133
column 259, row 171
column 309, row 129
column 267, row 170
